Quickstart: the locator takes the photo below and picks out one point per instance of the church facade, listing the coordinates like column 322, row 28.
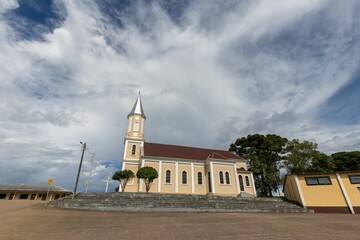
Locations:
column 182, row 169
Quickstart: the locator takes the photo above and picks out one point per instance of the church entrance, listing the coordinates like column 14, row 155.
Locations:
column 241, row 183
column 209, row 180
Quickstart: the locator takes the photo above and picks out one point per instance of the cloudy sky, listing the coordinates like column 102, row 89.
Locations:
column 208, row 71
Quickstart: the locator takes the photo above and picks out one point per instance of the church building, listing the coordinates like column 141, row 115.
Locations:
column 182, row 169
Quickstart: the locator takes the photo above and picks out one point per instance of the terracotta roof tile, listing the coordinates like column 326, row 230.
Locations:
column 183, row 152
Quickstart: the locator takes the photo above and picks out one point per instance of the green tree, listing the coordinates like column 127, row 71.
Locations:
column 123, row 177
column 322, row 163
column 148, row 175
column 303, row 157
column 265, row 154
column 300, row 156
column 347, row 161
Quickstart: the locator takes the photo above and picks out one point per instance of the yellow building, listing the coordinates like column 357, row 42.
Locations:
column 37, row 192
column 337, row 192
column 181, row 169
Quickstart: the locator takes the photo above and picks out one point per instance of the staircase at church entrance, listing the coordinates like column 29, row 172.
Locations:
column 153, row 202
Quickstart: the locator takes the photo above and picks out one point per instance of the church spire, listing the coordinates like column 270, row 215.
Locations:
column 137, row 109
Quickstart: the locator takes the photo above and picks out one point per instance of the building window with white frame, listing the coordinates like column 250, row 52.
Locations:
column 221, row 177
column 247, row 181
column 184, row 177
column 133, row 150
column 227, row 178
column 200, row 181
column 168, row 176
column 136, row 126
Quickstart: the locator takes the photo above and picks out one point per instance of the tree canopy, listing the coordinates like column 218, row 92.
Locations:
column 148, row 175
column 123, row 177
column 347, row 161
column 265, row 153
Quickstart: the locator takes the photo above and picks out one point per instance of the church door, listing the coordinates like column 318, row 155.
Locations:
column 241, row 183
column 209, row 180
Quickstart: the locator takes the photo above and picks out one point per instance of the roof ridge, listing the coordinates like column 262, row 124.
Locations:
column 188, row 146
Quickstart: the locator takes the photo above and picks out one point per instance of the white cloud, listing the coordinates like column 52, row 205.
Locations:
column 217, row 75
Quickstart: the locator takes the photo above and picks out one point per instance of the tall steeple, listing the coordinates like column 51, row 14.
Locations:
column 137, row 108
column 136, row 120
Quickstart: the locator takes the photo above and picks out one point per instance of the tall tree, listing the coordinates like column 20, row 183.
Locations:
column 123, row 177
column 148, row 174
column 303, row 157
column 265, row 154
column 347, row 161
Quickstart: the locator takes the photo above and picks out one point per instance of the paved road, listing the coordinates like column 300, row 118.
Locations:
column 24, row 220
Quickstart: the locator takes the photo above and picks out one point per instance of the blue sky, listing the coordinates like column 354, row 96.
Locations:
column 209, row 72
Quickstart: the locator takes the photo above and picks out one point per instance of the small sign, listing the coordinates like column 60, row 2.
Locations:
column 50, row 181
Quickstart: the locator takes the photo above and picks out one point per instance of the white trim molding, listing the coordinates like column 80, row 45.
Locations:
column 192, row 179
column 236, row 179
column 159, row 179
column 176, row 177
column 253, row 183
column 345, row 193
column 141, row 181
column 300, row 192
column 212, row 177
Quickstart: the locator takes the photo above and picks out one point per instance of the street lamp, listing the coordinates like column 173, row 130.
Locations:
column 78, row 174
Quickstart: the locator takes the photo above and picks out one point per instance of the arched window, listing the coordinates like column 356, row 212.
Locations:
column 133, row 150
column 247, row 182
column 200, row 178
column 227, row 178
column 168, row 176
column 184, row 177
column 221, row 177
column 136, row 126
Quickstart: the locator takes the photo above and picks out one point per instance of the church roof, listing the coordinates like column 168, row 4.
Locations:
column 137, row 108
column 183, row 152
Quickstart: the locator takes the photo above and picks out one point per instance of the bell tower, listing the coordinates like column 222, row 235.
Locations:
column 134, row 137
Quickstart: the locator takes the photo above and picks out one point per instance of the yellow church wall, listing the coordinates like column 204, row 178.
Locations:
column 224, row 189
column 248, row 189
column 184, row 188
column 136, row 132
column 200, row 189
column 351, row 189
column 322, row 195
column 154, row 185
column 168, row 187
column 241, row 165
column 133, row 185
column 129, row 155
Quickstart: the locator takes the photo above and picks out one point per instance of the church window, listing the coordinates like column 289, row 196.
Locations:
column 227, row 177
column 200, row 182
column 184, row 177
column 221, row 177
column 133, row 150
column 168, row 176
column 247, row 182
column 136, row 126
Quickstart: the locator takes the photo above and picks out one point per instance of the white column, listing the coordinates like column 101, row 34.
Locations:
column 300, row 192
column 345, row 193
column 192, row 178
column 141, row 181
column 176, row 177
column 236, row 179
column 253, row 183
column 212, row 177
column 159, row 179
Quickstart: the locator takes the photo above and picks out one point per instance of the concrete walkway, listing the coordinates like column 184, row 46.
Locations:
column 24, row 220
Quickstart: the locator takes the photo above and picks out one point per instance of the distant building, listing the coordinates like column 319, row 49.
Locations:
column 181, row 169
column 337, row 192
column 31, row 192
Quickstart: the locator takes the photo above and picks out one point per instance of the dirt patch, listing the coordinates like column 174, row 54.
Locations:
column 37, row 222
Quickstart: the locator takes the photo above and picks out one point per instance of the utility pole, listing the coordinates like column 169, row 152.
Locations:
column 78, row 174
column 89, row 177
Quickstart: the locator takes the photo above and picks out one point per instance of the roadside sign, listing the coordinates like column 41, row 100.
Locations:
column 50, row 181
